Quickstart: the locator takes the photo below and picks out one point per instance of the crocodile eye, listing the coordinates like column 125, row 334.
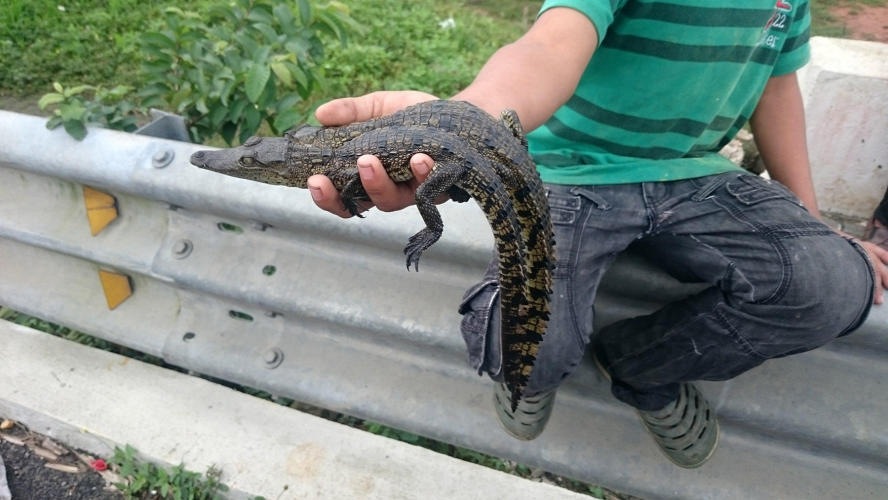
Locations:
column 246, row 161
column 252, row 141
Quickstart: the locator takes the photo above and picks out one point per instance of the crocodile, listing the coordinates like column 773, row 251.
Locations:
column 479, row 129
column 475, row 156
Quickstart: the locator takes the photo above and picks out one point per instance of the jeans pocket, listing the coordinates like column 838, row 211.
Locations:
column 480, row 327
column 752, row 189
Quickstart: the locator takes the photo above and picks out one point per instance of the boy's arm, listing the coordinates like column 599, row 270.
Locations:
column 534, row 75
column 539, row 72
column 778, row 125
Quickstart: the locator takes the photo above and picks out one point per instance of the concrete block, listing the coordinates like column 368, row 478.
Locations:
column 95, row 400
column 845, row 90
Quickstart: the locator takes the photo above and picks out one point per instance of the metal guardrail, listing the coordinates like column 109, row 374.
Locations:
column 251, row 283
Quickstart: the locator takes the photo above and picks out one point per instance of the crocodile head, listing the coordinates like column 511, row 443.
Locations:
column 261, row 159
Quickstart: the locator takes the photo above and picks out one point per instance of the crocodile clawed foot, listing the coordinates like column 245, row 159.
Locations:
column 352, row 207
column 416, row 245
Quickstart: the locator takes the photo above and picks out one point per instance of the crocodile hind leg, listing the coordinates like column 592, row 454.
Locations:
column 443, row 177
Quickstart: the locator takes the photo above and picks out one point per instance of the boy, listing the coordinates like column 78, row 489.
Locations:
column 628, row 102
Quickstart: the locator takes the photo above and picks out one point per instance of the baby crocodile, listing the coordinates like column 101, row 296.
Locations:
column 475, row 156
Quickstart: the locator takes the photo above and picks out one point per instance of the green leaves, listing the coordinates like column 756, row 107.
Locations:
column 257, row 77
column 51, row 98
column 283, row 74
column 227, row 70
column 74, row 111
column 146, row 480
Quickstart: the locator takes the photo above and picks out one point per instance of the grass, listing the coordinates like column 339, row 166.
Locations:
column 825, row 23
column 415, row 46
column 69, row 41
column 96, row 43
column 88, row 41
column 144, row 480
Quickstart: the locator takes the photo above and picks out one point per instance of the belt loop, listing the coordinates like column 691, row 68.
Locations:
column 592, row 196
column 709, row 188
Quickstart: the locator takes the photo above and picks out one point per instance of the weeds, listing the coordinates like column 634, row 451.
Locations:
column 144, row 480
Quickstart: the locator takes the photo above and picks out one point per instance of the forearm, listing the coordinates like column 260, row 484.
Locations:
column 539, row 72
column 779, row 128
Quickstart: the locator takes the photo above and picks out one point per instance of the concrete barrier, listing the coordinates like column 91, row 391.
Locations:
column 845, row 90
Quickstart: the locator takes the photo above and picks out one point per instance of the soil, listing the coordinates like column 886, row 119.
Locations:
column 863, row 22
column 30, row 479
column 26, row 105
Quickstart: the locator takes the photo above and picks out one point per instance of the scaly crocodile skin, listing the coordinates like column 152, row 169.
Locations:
column 475, row 156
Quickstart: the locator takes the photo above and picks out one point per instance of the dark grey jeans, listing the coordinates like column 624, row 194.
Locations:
column 782, row 283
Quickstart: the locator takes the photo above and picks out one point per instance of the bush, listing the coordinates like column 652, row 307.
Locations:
column 234, row 68
column 107, row 108
column 226, row 71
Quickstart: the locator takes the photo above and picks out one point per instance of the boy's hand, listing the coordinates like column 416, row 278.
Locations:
column 878, row 258
column 384, row 193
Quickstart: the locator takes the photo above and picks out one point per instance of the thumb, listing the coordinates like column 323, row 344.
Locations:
column 373, row 105
column 340, row 111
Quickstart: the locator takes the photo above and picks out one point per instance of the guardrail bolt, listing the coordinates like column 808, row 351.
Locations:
column 162, row 158
column 182, row 248
column 273, row 357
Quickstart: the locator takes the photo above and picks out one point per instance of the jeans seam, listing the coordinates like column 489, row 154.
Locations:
column 579, row 231
column 775, row 243
column 867, row 305
column 576, row 234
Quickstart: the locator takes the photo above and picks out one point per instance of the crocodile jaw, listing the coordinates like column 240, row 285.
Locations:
column 259, row 159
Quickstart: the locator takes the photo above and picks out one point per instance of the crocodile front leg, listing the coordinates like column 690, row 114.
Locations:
column 351, row 194
column 445, row 174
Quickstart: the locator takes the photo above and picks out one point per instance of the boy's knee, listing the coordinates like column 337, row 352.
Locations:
column 828, row 294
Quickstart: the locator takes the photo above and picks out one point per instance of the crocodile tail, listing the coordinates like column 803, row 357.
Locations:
column 510, row 119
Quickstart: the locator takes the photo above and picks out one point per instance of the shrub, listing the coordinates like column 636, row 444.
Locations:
column 226, row 71
column 107, row 108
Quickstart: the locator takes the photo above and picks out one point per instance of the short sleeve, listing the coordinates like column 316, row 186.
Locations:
column 796, row 50
column 600, row 12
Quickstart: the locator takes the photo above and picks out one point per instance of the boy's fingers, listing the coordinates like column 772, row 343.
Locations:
column 326, row 196
column 421, row 164
column 385, row 193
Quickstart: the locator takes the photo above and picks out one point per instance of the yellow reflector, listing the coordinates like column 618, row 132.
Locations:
column 101, row 209
column 117, row 287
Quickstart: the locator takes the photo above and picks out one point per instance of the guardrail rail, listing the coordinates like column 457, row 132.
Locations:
column 119, row 236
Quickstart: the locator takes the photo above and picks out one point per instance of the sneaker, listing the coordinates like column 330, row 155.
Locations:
column 686, row 430
column 529, row 418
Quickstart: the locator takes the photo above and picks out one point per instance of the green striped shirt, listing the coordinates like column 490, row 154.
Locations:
column 670, row 84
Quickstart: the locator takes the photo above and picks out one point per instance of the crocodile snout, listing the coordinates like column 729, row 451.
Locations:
column 199, row 159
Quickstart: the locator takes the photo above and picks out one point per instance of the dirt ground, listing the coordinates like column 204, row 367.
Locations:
column 863, row 22
column 30, row 479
